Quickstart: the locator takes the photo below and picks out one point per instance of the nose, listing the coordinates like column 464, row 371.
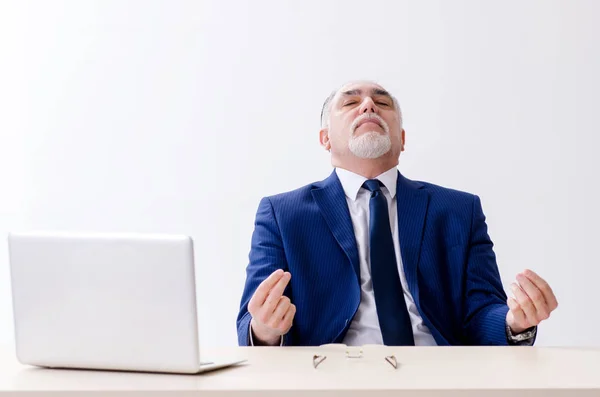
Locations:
column 368, row 106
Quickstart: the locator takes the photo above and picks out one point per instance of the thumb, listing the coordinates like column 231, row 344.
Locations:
column 515, row 318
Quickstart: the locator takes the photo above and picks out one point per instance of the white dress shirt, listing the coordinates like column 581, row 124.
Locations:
column 364, row 328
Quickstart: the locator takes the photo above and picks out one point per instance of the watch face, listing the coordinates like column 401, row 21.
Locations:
column 527, row 335
column 520, row 337
column 523, row 336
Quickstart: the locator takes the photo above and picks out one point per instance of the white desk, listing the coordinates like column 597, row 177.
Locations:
column 422, row 371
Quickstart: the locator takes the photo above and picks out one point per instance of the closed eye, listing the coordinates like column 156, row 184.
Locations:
column 350, row 103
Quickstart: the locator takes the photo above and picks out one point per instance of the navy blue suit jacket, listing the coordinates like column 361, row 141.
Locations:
column 446, row 252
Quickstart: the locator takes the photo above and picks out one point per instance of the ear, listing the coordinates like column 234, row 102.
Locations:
column 403, row 141
column 324, row 139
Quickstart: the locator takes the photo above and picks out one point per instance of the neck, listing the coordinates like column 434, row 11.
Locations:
column 369, row 168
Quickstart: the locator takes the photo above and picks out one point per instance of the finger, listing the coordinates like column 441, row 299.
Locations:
column 517, row 313
column 277, row 292
column 288, row 319
column 544, row 287
column 525, row 303
column 261, row 293
column 279, row 312
column 536, row 296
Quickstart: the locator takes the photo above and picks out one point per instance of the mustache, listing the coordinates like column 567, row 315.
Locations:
column 363, row 118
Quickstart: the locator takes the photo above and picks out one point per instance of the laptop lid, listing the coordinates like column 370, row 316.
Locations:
column 105, row 301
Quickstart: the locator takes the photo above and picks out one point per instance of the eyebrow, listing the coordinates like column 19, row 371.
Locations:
column 374, row 91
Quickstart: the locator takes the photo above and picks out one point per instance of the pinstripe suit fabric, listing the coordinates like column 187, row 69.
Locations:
column 447, row 255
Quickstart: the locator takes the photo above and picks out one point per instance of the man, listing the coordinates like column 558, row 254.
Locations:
column 368, row 256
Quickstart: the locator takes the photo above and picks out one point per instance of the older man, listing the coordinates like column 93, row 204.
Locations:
column 368, row 256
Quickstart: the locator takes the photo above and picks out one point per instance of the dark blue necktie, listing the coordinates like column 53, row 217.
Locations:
column 389, row 296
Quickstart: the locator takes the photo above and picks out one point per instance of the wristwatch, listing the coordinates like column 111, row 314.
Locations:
column 526, row 335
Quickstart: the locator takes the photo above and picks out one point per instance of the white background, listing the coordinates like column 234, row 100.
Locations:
column 178, row 116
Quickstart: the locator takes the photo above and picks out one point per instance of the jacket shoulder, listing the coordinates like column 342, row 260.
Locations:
column 448, row 199
column 443, row 191
column 299, row 194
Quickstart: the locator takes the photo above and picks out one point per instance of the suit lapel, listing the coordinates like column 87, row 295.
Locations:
column 331, row 200
column 412, row 207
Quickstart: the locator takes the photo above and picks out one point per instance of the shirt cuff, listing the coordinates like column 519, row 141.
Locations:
column 250, row 336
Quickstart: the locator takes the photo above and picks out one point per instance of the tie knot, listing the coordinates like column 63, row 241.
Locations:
column 372, row 185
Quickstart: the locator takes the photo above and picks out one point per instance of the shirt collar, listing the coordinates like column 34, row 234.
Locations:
column 351, row 182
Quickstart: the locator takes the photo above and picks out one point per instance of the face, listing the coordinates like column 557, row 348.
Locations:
column 364, row 123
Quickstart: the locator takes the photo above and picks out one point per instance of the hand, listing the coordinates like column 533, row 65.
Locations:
column 272, row 313
column 532, row 303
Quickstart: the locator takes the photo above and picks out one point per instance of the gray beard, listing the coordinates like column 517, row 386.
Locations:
column 370, row 145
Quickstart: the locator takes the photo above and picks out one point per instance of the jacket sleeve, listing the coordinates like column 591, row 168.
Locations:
column 266, row 256
column 485, row 299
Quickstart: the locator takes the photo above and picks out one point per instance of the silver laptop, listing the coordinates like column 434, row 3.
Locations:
column 107, row 301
